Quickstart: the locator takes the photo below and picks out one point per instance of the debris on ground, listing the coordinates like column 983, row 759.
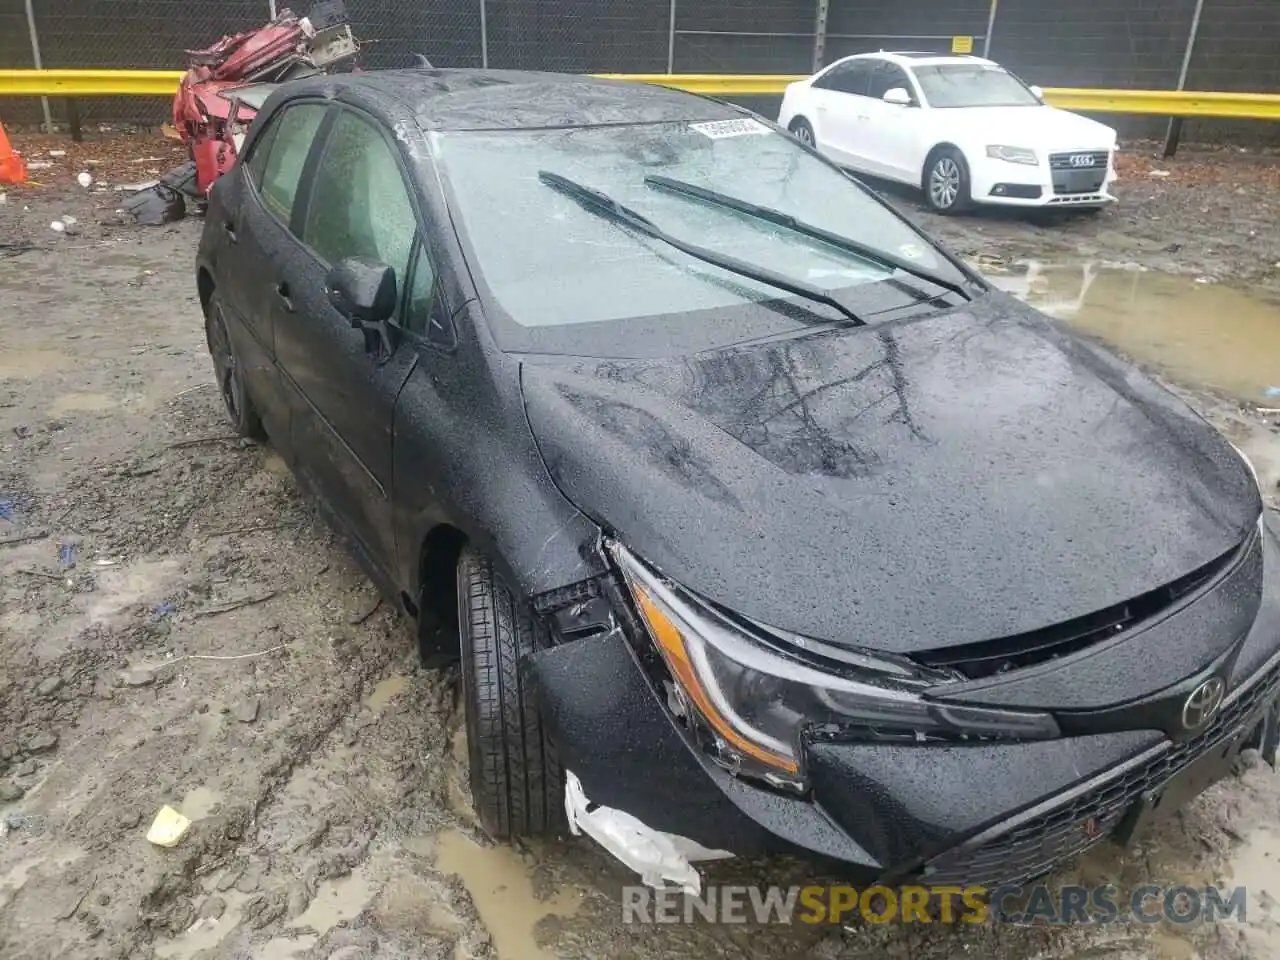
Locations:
column 164, row 200
column 168, row 828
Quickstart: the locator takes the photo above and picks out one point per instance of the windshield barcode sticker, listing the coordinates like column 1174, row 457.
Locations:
column 719, row 129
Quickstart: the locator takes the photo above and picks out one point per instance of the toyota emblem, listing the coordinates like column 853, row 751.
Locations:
column 1203, row 704
column 1082, row 160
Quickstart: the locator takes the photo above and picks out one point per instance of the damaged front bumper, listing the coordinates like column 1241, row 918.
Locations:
column 955, row 813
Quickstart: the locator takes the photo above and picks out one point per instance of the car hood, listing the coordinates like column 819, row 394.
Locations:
column 975, row 474
column 1044, row 128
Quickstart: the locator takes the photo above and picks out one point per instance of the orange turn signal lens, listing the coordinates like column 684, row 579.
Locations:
column 672, row 645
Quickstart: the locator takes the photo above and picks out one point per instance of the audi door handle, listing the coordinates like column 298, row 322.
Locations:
column 282, row 291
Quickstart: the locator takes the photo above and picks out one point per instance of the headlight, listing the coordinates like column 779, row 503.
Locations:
column 1013, row 154
column 757, row 699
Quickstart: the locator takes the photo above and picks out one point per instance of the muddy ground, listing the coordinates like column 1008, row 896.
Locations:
column 178, row 627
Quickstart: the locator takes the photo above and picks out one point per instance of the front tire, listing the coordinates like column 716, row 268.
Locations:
column 946, row 182
column 802, row 131
column 516, row 781
column 230, row 373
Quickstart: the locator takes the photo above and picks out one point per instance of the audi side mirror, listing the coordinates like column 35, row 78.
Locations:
column 897, row 96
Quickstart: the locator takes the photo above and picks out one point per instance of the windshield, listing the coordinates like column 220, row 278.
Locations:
column 549, row 264
column 973, row 85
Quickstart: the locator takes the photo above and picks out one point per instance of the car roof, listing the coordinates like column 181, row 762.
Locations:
column 515, row 99
column 913, row 58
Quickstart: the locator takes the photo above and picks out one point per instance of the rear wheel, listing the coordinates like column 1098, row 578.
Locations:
column 946, row 181
column 516, row 781
column 802, row 131
column 229, row 372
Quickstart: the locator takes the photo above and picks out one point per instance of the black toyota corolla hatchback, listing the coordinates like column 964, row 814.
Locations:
column 748, row 509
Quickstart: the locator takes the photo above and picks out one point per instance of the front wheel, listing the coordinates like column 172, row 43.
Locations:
column 516, row 781
column 946, row 182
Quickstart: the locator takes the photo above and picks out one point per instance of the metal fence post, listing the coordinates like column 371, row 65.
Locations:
column 484, row 35
column 38, row 63
column 1174, row 133
column 991, row 25
column 671, row 40
column 820, row 36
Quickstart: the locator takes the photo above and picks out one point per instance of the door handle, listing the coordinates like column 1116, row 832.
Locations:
column 230, row 229
column 282, row 291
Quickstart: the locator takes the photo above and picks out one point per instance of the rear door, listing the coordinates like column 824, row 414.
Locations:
column 841, row 112
column 253, row 216
column 358, row 204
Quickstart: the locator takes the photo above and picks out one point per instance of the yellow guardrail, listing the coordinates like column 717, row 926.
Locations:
column 1164, row 103
column 1168, row 103
column 89, row 83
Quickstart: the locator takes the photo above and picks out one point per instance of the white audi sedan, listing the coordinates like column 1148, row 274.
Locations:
column 963, row 129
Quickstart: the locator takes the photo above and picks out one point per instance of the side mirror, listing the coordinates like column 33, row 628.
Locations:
column 362, row 290
column 897, row 96
column 1038, row 91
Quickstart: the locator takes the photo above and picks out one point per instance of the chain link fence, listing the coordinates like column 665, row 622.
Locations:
column 1089, row 43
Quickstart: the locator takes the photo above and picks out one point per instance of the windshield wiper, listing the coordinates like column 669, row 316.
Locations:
column 604, row 205
column 863, row 250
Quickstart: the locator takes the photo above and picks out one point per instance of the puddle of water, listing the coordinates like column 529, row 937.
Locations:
column 336, row 901
column 1256, row 867
column 386, row 691
column 28, row 363
column 1205, row 334
column 199, row 803
column 12, row 881
column 204, row 934
column 500, row 887
column 282, row 948
column 87, row 402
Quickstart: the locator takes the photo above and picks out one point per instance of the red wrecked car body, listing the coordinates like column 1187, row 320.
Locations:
column 213, row 107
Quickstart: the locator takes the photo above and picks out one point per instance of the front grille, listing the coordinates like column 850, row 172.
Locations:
column 1037, row 845
column 1074, row 160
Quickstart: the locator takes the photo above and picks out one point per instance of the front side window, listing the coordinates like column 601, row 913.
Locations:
column 359, row 204
column 286, row 147
column 551, row 265
column 421, row 296
column 887, row 77
column 972, row 85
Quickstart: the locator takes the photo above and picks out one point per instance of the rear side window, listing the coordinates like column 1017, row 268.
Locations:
column 359, row 203
column 851, row 77
column 287, row 147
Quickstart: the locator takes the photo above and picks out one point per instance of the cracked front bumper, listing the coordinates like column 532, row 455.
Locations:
column 981, row 813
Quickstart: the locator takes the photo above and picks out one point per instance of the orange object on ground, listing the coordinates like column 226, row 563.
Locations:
column 12, row 169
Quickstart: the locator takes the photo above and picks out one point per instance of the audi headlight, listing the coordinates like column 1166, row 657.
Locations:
column 756, row 699
column 1013, row 154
